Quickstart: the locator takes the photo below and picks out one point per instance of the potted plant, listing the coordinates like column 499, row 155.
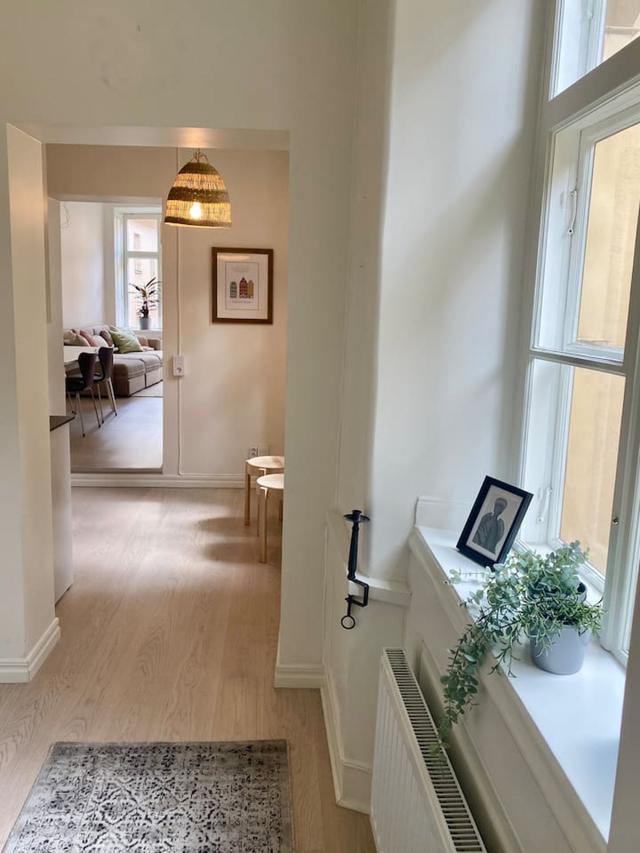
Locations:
column 147, row 297
column 534, row 596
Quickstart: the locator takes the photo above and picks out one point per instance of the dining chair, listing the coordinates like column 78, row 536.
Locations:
column 104, row 377
column 76, row 384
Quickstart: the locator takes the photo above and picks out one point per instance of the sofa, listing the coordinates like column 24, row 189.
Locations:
column 132, row 371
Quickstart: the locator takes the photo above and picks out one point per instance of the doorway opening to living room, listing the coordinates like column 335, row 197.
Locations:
column 111, row 289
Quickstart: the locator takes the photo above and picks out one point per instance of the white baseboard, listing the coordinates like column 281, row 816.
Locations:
column 299, row 676
column 21, row 670
column 129, row 479
column 351, row 779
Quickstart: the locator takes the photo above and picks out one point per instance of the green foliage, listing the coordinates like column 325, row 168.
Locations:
column 529, row 595
column 147, row 295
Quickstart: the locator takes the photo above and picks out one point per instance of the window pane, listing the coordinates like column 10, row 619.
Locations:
column 142, row 235
column 139, row 272
column 591, row 31
column 595, row 413
column 610, row 241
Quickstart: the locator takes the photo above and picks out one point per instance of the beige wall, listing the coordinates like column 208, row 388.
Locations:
column 82, row 264
column 232, row 395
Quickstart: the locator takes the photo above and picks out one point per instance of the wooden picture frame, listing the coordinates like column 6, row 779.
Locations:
column 242, row 285
column 493, row 522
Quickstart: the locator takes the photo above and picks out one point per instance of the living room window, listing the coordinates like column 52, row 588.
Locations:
column 138, row 267
column 581, row 435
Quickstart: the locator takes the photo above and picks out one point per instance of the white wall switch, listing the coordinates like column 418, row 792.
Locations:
column 178, row 365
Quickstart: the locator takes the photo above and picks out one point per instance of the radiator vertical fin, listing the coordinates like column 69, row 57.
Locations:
column 416, row 803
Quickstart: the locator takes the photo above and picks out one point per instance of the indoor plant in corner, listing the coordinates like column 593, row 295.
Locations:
column 534, row 596
column 147, row 297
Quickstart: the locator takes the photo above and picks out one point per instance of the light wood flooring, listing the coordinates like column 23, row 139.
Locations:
column 169, row 633
column 132, row 441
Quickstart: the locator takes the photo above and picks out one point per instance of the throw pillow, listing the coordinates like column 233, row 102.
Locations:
column 125, row 341
column 94, row 340
column 106, row 334
column 73, row 339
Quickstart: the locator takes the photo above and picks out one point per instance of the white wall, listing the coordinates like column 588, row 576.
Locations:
column 82, row 264
column 26, row 579
column 434, row 295
column 232, row 395
column 461, row 149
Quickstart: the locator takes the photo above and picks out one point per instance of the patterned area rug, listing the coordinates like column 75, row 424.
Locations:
column 188, row 797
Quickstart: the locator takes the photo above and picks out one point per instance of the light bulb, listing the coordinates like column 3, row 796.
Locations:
column 195, row 211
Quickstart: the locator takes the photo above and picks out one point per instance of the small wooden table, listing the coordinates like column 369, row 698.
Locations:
column 258, row 466
column 266, row 484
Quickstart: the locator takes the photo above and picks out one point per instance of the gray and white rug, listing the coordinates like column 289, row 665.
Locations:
column 188, row 797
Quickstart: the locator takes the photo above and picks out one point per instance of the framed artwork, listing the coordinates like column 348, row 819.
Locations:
column 242, row 285
column 494, row 521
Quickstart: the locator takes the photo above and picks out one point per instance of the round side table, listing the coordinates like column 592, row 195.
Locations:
column 267, row 484
column 258, row 466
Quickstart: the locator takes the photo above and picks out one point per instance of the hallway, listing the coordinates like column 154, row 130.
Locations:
column 169, row 633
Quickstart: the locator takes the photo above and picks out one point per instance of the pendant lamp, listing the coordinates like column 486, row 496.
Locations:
column 198, row 196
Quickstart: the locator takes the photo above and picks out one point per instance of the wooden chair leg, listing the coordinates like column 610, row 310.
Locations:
column 264, row 498
column 247, row 498
column 79, row 411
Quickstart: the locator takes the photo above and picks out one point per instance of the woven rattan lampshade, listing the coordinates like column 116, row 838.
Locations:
column 198, row 196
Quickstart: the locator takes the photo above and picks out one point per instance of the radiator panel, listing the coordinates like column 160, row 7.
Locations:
column 416, row 802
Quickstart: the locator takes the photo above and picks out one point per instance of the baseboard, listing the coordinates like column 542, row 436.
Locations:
column 299, row 675
column 161, row 481
column 21, row 670
column 351, row 779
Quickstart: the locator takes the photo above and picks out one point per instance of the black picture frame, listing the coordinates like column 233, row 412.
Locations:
column 486, row 537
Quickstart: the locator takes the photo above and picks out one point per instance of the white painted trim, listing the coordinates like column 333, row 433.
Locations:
column 303, row 676
column 160, row 481
column 351, row 779
column 21, row 670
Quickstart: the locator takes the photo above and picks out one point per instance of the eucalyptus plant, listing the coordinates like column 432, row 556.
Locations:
column 530, row 595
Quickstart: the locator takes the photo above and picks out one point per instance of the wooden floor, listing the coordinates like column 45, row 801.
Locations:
column 169, row 633
column 129, row 442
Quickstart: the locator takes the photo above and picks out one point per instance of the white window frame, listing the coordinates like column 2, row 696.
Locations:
column 123, row 254
column 570, row 124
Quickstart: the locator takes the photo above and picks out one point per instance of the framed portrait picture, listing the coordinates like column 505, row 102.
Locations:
column 494, row 521
column 242, row 285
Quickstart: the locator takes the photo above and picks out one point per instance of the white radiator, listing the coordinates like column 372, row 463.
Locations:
column 416, row 802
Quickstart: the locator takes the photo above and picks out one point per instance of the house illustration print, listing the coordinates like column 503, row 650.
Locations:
column 242, row 290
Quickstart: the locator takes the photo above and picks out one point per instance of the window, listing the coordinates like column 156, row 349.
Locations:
column 138, row 263
column 581, row 437
column 588, row 32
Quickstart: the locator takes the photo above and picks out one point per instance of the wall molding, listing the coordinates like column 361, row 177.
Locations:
column 21, row 670
column 160, row 481
column 301, row 676
column 351, row 779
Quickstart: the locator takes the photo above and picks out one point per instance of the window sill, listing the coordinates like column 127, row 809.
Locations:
column 578, row 716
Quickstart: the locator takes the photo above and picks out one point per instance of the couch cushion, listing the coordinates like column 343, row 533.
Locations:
column 126, row 366
column 125, row 341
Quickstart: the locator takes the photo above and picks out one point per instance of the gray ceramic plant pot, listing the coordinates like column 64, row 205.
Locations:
column 565, row 655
